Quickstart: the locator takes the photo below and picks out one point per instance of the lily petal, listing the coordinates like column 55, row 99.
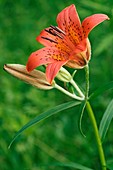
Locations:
column 57, row 40
column 82, row 55
column 78, row 62
column 92, row 21
column 45, row 55
column 81, row 46
column 74, row 64
column 52, row 70
column 49, row 39
column 68, row 20
column 38, row 58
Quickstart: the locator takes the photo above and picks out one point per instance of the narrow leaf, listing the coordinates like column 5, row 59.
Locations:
column 106, row 120
column 45, row 115
column 101, row 89
column 95, row 6
column 81, row 112
column 72, row 165
column 110, row 164
column 103, row 45
column 109, row 167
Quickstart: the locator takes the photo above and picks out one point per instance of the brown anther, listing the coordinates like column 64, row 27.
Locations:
column 57, row 29
column 49, row 39
column 52, row 31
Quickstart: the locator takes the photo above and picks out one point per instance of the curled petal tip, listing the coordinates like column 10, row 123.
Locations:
column 92, row 21
column 106, row 17
column 27, row 68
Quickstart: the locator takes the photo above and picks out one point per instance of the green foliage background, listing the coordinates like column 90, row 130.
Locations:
column 56, row 138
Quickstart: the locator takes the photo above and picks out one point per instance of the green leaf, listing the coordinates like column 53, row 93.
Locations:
column 45, row 115
column 103, row 45
column 106, row 120
column 81, row 111
column 72, row 165
column 95, row 6
column 110, row 164
column 101, row 89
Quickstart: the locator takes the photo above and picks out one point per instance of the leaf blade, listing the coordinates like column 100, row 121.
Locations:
column 95, row 6
column 103, row 45
column 106, row 120
column 81, row 112
column 108, row 86
column 45, row 115
column 72, row 165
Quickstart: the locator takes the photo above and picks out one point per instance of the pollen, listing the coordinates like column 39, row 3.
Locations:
column 73, row 36
column 58, row 57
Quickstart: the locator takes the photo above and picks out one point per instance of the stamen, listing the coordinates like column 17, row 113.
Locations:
column 58, row 29
column 51, row 31
column 49, row 39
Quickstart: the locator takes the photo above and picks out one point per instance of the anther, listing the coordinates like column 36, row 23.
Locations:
column 57, row 29
column 51, row 31
column 49, row 39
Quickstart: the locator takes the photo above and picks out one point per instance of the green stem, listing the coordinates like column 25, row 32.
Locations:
column 97, row 136
column 77, row 88
column 87, row 81
column 94, row 123
column 68, row 93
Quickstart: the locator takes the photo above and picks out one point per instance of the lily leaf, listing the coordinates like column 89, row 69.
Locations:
column 106, row 120
column 72, row 165
column 110, row 164
column 101, row 89
column 95, row 6
column 81, row 111
column 45, row 115
column 103, row 46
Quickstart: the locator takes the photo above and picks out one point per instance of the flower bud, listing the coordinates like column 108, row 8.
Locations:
column 64, row 75
column 35, row 77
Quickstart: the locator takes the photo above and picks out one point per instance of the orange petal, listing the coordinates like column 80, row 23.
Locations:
column 68, row 20
column 73, row 64
column 53, row 69
column 92, row 21
column 80, row 59
column 40, row 57
column 60, row 42
column 45, row 55
column 77, row 63
column 50, row 41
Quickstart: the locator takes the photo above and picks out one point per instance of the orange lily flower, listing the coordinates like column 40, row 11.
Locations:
column 66, row 44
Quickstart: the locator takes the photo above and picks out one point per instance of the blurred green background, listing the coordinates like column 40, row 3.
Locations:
column 56, row 138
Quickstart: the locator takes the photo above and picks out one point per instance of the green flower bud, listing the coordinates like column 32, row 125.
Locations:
column 64, row 75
